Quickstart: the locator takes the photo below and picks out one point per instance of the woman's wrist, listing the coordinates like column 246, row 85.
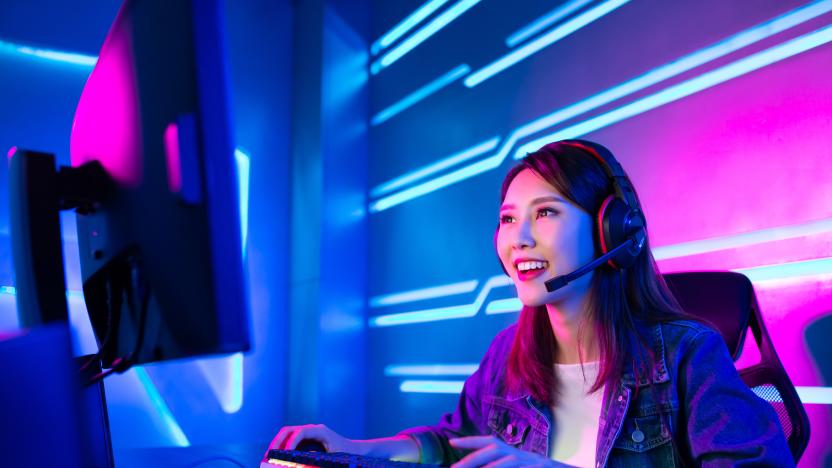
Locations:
column 400, row 448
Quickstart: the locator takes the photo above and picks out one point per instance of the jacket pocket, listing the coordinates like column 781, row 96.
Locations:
column 506, row 422
column 640, row 434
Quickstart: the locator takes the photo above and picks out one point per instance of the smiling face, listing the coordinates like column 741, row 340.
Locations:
column 543, row 235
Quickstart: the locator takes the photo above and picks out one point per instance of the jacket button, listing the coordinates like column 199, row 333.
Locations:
column 620, row 398
column 637, row 436
column 511, row 429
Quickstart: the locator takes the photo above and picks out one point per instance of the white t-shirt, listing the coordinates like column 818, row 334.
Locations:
column 576, row 415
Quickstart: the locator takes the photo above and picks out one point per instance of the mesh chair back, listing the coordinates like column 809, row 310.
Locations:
column 727, row 300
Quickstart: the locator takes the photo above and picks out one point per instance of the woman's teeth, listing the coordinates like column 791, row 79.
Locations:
column 526, row 266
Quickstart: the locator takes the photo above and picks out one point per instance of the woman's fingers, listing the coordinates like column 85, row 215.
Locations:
column 288, row 437
column 506, row 461
column 310, row 431
column 280, row 438
column 473, row 442
column 487, row 449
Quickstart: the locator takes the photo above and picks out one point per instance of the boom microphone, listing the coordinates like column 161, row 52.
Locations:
column 560, row 281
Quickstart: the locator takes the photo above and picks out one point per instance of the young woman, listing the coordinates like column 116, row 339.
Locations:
column 602, row 369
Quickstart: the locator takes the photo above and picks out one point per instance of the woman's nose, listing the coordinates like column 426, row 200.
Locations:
column 525, row 237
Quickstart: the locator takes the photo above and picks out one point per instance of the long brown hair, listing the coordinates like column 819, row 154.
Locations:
column 618, row 298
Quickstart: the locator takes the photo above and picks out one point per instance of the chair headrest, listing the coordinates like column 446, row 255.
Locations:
column 723, row 298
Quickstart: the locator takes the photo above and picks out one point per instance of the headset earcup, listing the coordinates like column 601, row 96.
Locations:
column 617, row 223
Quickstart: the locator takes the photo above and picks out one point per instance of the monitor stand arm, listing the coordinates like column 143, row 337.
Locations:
column 38, row 192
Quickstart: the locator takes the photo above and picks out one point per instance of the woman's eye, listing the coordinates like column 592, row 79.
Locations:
column 543, row 212
column 506, row 219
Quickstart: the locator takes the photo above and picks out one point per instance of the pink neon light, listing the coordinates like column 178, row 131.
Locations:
column 107, row 126
column 11, row 152
column 172, row 158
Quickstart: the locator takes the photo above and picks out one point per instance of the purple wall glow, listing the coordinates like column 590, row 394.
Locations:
column 112, row 87
column 735, row 176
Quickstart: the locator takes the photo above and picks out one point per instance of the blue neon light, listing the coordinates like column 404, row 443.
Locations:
column 243, row 161
column 420, row 316
column 815, row 395
column 406, row 25
column 51, row 55
column 225, row 379
column 432, row 386
column 420, row 94
column 10, row 290
column 422, row 35
column 710, row 53
column 175, row 431
column 433, row 168
column 394, row 370
column 686, row 88
column 815, row 267
column 442, row 313
column 503, row 306
column 435, row 184
column 545, row 21
column 422, row 294
column 542, row 42
column 714, row 244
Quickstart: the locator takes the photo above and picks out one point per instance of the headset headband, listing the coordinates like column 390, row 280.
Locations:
column 620, row 182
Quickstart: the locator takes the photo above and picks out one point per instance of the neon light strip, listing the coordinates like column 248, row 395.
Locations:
column 11, row 291
column 243, row 176
column 686, row 88
column 224, row 376
column 503, row 306
column 430, row 369
column 815, row 395
column 52, row 55
column 720, row 49
column 420, row 94
column 234, row 402
column 425, row 293
column 544, row 21
column 759, row 274
column 422, row 35
column 406, row 25
column 818, row 266
column 432, row 185
column 745, row 239
column 542, row 42
column 431, row 386
column 175, row 431
column 418, row 174
column 808, row 395
column 443, row 313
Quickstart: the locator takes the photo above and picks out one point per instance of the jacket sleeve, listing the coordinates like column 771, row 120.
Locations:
column 726, row 423
column 468, row 418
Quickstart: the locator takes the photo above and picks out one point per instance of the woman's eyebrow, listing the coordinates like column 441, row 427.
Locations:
column 536, row 201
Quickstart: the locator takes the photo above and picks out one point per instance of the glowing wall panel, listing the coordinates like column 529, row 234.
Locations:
column 719, row 111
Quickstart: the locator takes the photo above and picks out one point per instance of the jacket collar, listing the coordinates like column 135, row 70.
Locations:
column 652, row 335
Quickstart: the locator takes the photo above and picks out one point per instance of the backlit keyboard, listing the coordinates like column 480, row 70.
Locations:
column 299, row 459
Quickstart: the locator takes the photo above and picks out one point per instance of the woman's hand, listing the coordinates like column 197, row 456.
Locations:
column 492, row 452
column 289, row 437
column 399, row 447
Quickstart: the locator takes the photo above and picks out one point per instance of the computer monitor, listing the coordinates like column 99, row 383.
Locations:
column 159, row 228
column 155, row 114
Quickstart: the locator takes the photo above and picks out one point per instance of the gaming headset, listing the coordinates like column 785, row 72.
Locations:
column 619, row 223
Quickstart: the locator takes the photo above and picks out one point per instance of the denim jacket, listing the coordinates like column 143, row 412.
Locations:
column 694, row 410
